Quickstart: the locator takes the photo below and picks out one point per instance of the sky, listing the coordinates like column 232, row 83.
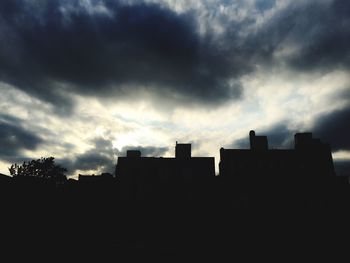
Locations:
column 85, row 80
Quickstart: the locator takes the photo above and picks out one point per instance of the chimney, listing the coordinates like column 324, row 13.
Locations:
column 251, row 139
column 183, row 150
column 133, row 153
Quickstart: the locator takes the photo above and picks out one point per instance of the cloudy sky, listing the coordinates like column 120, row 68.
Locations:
column 85, row 80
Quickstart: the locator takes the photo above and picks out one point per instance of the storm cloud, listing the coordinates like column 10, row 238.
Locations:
column 278, row 135
column 14, row 138
column 100, row 157
column 334, row 128
column 310, row 35
column 56, row 48
column 148, row 151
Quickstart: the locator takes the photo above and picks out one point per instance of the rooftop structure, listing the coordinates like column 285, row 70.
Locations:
column 142, row 175
column 309, row 156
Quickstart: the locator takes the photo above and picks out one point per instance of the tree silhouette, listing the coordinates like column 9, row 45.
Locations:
column 41, row 168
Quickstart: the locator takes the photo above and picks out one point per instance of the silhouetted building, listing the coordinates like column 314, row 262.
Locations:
column 133, row 154
column 142, row 177
column 310, row 156
column 94, row 178
column 183, row 150
column 258, row 143
column 304, row 170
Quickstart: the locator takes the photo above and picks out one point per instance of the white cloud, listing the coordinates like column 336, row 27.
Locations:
column 341, row 155
column 269, row 98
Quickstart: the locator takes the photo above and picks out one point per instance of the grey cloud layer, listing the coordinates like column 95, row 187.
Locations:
column 145, row 150
column 58, row 47
column 279, row 136
column 335, row 128
column 14, row 138
column 103, row 156
column 321, row 32
column 51, row 51
column 100, row 157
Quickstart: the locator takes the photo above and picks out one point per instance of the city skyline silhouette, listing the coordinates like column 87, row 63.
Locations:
column 144, row 128
column 177, row 206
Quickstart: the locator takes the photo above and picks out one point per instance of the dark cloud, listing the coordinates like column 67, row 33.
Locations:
column 320, row 30
column 242, row 143
column 57, row 48
column 100, row 157
column 342, row 167
column 9, row 118
column 147, row 151
column 279, row 136
column 94, row 161
column 103, row 156
column 334, row 128
column 14, row 138
column 54, row 50
column 264, row 5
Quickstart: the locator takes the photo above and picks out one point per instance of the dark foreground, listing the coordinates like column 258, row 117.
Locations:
column 213, row 221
